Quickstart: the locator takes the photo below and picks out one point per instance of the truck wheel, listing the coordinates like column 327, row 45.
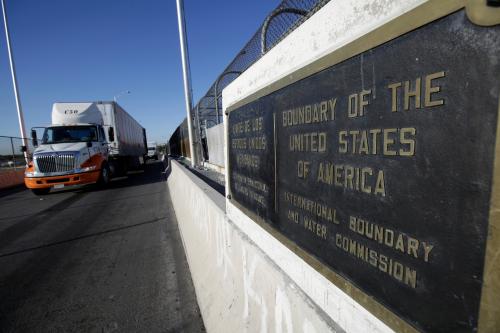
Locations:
column 105, row 175
column 40, row 191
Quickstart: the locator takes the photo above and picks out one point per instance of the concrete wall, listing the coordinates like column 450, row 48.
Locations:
column 9, row 178
column 245, row 278
column 238, row 287
column 215, row 143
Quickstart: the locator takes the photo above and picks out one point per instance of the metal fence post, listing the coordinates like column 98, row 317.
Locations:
column 216, row 93
column 265, row 26
column 13, row 153
column 200, row 142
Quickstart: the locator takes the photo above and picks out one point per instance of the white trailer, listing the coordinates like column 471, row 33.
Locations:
column 125, row 135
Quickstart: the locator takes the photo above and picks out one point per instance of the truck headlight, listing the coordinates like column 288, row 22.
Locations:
column 89, row 165
column 30, row 170
column 89, row 168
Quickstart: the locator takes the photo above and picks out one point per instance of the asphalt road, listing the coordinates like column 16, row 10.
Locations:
column 92, row 260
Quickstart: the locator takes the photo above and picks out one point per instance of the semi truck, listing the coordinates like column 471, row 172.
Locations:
column 87, row 142
column 152, row 150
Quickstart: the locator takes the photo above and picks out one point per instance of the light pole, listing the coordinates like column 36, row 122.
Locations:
column 187, row 78
column 20, row 115
column 125, row 92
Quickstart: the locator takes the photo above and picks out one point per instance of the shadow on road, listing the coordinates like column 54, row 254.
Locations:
column 12, row 190
column 152, row 173
column 107, row 231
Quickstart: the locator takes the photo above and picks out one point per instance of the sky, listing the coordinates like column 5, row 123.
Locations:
column 92, row 50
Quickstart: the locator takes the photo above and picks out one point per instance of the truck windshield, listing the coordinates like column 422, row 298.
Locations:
column 69, row 134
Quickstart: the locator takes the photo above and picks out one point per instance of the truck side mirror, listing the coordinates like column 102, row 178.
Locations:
column 34, row 139
column 24, row 149
column 111, row 134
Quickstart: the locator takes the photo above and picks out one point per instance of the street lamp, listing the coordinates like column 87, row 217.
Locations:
column 186, row 75
column 125, row 92
column 14, row 83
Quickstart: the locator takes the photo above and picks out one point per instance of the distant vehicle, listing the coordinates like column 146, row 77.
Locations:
column 152, row 150
column 86, row 143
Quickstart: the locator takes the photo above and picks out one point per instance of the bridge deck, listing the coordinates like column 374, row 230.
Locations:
column 95, row 260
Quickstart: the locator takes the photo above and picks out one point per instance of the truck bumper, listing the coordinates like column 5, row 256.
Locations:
column 66, row 180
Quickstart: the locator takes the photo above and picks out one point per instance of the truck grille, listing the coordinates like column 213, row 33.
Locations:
column 55, row 162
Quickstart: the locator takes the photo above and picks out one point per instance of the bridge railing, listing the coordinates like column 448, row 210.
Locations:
column 285, row 18
column 11, row 153
column 12, row 162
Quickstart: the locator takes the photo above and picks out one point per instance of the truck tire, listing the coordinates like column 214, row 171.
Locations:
column 105, row 175
column 40, row 191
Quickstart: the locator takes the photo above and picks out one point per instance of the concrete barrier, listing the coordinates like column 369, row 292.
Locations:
column 238, row 287
column 11, row 178
column 245, row 278
column 249, row 276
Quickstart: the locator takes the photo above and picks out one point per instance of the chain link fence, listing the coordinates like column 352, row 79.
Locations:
column 12, row 162
column 11, row 154
column 285, row 18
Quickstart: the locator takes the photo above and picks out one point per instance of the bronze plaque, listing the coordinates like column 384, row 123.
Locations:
column 381, row 167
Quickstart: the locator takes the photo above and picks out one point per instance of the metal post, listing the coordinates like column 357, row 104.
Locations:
column 13, row 153
column 216, row 92
column 216, row 105
column 187, row 78
column 275, row 13
column 14, row 82
column 202, row 157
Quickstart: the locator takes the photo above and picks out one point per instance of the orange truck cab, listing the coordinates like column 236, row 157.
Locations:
column 86, row 143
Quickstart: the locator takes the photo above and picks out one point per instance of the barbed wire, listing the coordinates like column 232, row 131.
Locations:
column 285, row 18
